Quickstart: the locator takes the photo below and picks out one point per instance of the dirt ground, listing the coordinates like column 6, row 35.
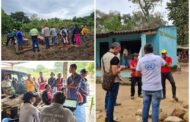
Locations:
column 126, row 112
column 83, row 52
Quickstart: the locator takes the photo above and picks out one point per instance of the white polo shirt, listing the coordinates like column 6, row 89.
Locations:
column 150, row 68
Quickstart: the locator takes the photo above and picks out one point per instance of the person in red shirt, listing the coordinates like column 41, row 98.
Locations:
column 60, row 82
column 166, row 74
column 42, row 82
column 134, row 77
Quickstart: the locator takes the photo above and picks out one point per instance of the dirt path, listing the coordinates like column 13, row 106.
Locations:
column 126, row 112
column 83, row 52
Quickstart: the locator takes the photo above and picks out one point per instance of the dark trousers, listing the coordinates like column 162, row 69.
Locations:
column 110, row 101
column 172, row 82
column 8, row 39
column 73, row 39
column 35, row 44
column 47, row 42
column 133, row 83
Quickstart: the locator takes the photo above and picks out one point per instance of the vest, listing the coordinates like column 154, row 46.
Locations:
column 106, row 59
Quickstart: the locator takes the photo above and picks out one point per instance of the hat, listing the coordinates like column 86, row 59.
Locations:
column 52, row 73
column 83, row 71
column 28, row 96
column 164, row 51
column 115, row 45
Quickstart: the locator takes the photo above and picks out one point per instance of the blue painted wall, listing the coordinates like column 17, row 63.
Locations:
column 153, row 40
column 168, row 41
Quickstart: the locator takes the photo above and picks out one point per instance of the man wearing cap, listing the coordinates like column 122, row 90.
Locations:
column 29, row 113
column 110, row 63
column 11, row 36
column 56, row 112
column 134, row 77
column 166, row 74
column 84, row 90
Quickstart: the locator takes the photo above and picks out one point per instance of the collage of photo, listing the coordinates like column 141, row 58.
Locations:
column 94, row 61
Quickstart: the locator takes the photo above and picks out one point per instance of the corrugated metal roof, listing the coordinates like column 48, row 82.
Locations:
column 149, row 30
column 104, row 35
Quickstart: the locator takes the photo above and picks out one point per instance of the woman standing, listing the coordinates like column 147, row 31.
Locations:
column 76, row 33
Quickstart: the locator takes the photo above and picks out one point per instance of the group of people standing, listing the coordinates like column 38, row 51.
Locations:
column 150, row 71
column 54, row 92
column 73, row 36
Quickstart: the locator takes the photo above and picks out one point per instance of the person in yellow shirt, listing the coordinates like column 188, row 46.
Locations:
column 84, row 32
column 29, row 84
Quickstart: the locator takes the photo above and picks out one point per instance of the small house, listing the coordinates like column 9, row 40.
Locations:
column 164, row 37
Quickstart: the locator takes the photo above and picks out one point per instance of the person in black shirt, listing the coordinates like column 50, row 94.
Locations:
column 52, row 81
column 110, row 63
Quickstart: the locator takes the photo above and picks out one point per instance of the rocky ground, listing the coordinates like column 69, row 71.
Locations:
column 130, row 110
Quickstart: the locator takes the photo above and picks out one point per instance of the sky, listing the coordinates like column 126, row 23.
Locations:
column 65, row 9
column 127, row 7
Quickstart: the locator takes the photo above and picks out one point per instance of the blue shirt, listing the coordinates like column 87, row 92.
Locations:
column 84, row 89
column 76, row 79
column 53, row 31
column 19, row 36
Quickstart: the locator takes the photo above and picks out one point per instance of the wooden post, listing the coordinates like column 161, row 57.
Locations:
column 65, row 70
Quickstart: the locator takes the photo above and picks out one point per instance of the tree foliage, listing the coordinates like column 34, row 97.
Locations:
column 20, row 20
column 58, row 68
column 7, row 22
column 178, row 13
column 141, row 19
column 19, row 17
column 114, row 21
column 146, row 6
column 89, row 66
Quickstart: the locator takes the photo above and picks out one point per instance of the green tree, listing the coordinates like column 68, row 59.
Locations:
column 140, row 22
column 34, row 17
column 116, row 22
column 113, row 23
column 146, row 6
column 40, row 68
column 178, row 13
column 7, row 22
column 20, row 17
column 84, row 65
column 58, row 67
column 90, row 67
